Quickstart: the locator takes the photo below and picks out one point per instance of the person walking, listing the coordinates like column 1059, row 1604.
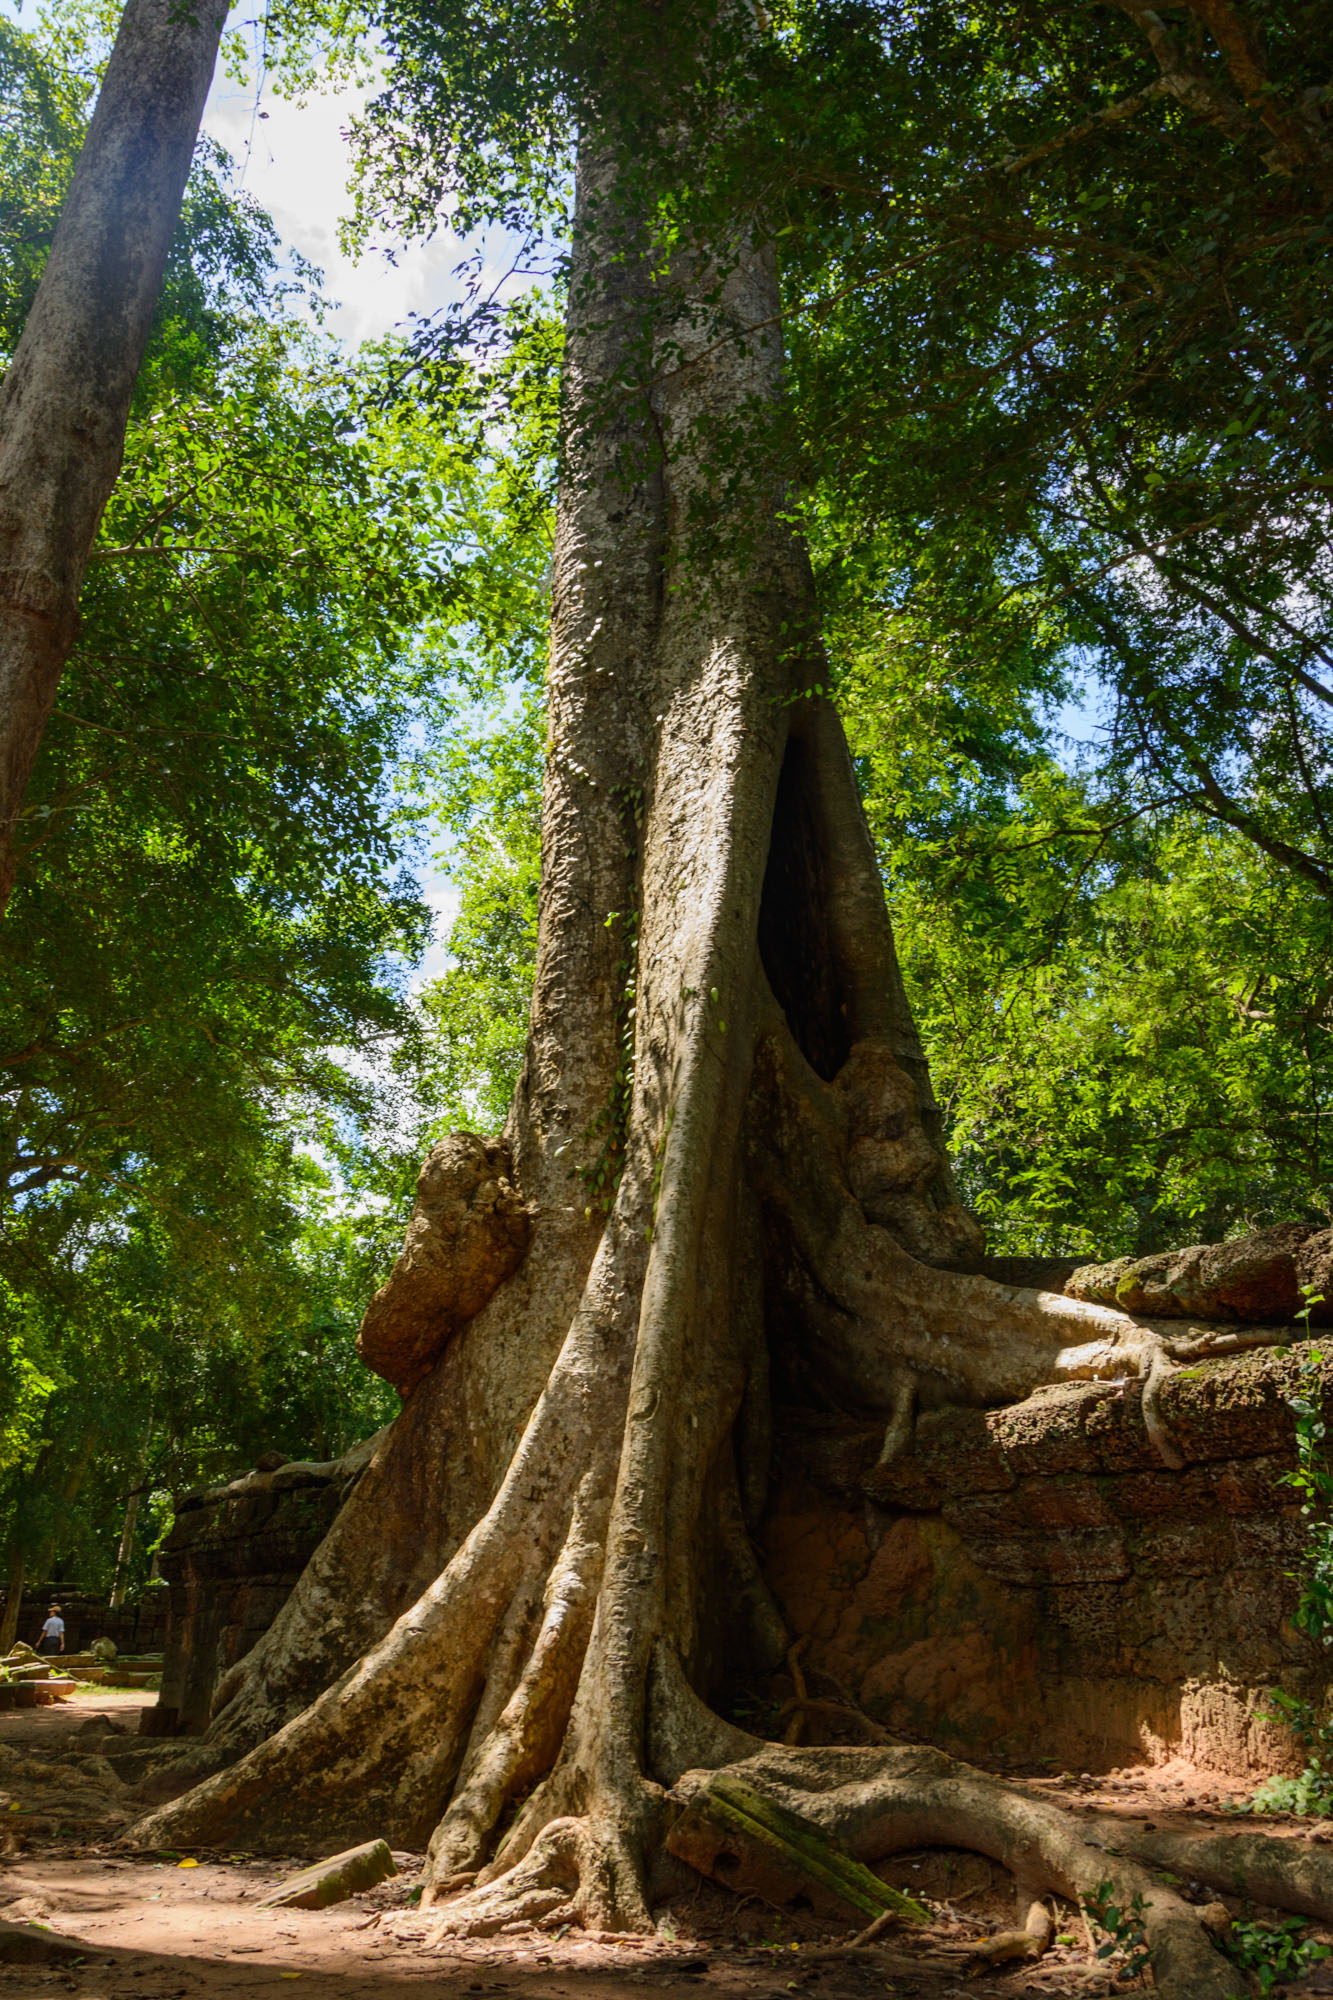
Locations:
column 52, row 1639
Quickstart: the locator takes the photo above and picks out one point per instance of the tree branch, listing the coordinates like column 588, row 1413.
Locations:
column 67, row 1170
column 1234, row 37
column 1111, row 114
column 1181, row 79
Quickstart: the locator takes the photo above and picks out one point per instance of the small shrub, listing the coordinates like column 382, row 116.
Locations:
column 1311, row 1792
column 1125, row 1938
column 1274, row 1953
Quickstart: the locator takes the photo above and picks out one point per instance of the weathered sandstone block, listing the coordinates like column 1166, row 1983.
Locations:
column 231, row 1562
column 1256, row 1278
column 468, row 1232
column 1035, row 1573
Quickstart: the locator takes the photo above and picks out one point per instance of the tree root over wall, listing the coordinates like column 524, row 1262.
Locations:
column 505, row 1646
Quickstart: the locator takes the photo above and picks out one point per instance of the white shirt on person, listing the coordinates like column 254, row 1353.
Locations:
column 54, row 1628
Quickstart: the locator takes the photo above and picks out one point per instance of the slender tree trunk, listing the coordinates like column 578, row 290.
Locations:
column 730, row 1158
column 65, row 401
column 124, row 1549
column 9, row 1624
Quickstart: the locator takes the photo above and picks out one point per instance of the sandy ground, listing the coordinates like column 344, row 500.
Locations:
column 173, row 1927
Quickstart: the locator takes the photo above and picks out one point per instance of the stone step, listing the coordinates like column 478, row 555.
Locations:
column 36, row 1693
column 58, row 1688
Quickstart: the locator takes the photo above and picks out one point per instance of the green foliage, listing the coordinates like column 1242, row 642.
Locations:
column 478, row 1009
column 164, row 1372
column 212, row 1097
column 1273, row 1953
column 1125, row 1941
column 1313, row 1481
column 1311, row 1792
column 1060, row 378
column 24, row 1387
column 1125, row 1011
column 210, row 900
column 1061, row 349
column 485, row 781
column 43, row 108
column 208, row 903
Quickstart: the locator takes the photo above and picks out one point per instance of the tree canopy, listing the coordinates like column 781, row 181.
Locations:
column 1056, row 302
column 215, row 1074
column 1055, row 299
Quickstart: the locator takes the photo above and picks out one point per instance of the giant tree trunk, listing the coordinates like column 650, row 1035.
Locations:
column 66, row 398
column 723, row 1154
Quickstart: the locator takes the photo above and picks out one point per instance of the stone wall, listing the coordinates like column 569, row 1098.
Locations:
column 1037, row 1573
column 231, row 1562
column 137, row 1627
column 1025, row 1583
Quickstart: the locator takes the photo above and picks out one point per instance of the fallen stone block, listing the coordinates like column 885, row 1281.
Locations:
column 334, row 1880
column 57, row 1688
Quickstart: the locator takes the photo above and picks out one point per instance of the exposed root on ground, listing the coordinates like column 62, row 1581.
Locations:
column 540, row 1889
column 874, row 1803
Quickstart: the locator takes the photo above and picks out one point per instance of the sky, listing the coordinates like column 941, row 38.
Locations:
column 295, row 161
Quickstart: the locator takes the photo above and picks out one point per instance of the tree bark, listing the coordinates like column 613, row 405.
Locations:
column 726, row 1139
column 9, row 1624
column 124, row 1549
column 65, row 401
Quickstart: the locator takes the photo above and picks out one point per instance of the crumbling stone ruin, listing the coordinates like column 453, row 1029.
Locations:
column 1036, row 1574
column 231, row 1562
column 1015, row 1574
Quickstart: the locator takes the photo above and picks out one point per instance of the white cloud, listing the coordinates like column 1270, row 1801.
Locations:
column 295, row 159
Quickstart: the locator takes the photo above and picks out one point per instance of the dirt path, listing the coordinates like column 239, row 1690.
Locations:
column 188, row 1927
column 113, row 1708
